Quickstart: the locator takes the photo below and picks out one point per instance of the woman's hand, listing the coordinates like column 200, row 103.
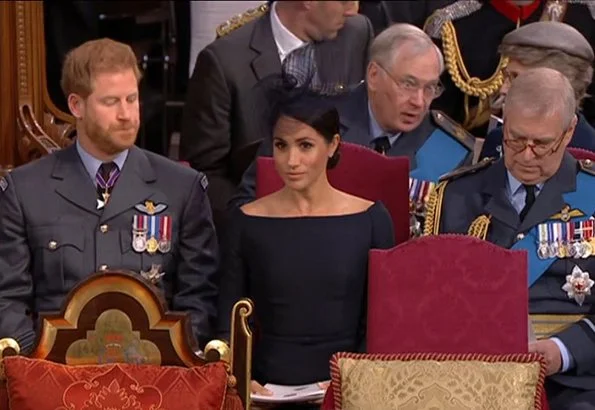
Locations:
column 257, row 388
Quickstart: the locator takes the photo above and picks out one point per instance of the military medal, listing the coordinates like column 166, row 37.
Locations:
column 578, row 285
column 587, row 236
column 542, row 245
column 165, row 234
column 152, row 243
column 139, row 233
column 552, row 248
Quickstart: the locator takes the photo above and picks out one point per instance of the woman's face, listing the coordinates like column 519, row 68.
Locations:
column 300, row 153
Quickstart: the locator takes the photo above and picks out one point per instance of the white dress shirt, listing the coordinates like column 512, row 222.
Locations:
column 286, row 41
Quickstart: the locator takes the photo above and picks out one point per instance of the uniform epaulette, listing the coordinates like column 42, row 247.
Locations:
column 451, row 127
column 467, row 169
column 454, row 11
column 587, row 166
column 238, row 21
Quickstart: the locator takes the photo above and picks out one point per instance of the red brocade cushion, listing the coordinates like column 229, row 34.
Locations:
column 39, row 385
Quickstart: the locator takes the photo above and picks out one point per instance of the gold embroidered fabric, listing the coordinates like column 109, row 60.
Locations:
column 437, row 385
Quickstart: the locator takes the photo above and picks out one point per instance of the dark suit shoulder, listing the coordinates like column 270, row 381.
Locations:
column 241, row 20
column 468, row 170
column 174, row 169
column 587, row 166
column 452, row 128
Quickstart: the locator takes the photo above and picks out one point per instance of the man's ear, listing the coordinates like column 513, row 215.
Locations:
column 76, row 105
column 372, row 75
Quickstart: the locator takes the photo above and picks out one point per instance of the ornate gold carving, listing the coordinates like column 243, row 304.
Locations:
column 241, row 312
column 113, row 282
column 113, row 341
column 238, row 21
column 470, row 86
column 434, row 210
column 217, row 350
column 7, row 344
column 479, row 227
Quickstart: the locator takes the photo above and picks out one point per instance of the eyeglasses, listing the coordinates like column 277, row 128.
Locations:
column 411, row 86
column 539, row 149
column 508, row 76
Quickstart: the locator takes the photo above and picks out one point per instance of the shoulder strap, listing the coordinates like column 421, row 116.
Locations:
column 587, row 165
column 458, row 9
column 238, row 21
column 454, row 129
column 468, row 169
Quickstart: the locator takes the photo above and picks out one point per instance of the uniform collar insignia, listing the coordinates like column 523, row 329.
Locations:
column 150, row 208
column 567, row 213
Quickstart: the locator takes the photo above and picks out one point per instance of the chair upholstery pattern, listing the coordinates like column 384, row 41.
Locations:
column 447, row 293
column 440, row 381
column 360, row 172
column 116, row 386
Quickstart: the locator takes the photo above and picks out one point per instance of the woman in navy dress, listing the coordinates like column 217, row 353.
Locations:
column 301, row 253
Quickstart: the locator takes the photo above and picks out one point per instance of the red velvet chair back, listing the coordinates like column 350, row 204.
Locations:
column 580, row 153
column 360, row 172
column 447, row 294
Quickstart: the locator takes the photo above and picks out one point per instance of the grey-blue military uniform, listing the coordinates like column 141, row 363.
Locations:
column 52, row 236
column 486, row 189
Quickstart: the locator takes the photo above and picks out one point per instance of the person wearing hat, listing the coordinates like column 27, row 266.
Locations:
column 469, row 33
column 548, row 44
column 537, row 198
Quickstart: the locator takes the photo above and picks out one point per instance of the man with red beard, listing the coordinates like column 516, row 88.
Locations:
column 390, row 113
column 103, row 204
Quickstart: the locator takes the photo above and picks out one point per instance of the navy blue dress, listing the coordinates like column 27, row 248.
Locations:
column 307, row 277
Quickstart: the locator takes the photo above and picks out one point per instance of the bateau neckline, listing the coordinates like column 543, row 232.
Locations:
column 287, row 218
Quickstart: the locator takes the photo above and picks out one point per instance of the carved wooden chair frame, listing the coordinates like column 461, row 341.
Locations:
column 43, row 127
column 62, row 334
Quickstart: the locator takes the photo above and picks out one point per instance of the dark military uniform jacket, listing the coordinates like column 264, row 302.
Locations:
column 467, row 194
column 52, row 236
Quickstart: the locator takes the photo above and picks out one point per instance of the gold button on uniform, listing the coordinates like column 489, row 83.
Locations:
column 52, row 245
column 103, row 267
column 103, row 228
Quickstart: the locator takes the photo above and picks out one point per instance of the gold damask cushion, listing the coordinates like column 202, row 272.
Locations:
column 437, row 381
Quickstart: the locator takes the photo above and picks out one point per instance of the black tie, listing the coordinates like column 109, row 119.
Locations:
column 381, row 144
column 529, row 200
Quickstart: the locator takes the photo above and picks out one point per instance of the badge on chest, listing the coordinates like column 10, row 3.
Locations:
column 151, row 233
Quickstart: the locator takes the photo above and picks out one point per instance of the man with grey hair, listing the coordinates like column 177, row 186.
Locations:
column 540, row 199
column 390, row 112
column 547, row 44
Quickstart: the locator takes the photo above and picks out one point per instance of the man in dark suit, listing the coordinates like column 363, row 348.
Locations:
column 103, row 204
column 538, row 198
column 554, row 45
column 390, row 112
column 218, row 127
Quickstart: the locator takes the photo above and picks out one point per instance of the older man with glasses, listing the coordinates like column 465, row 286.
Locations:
column 390, row 113
column 554, row 45
column 540, row 199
